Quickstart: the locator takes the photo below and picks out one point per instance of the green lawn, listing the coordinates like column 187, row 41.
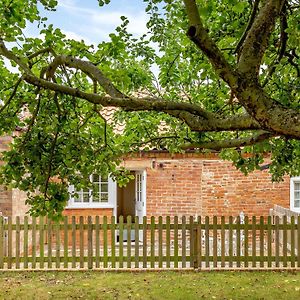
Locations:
column 158, row 285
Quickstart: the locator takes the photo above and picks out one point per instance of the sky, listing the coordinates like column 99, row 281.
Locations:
column 86, row 20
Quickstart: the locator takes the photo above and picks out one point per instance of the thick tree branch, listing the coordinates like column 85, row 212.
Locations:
column 271, row 115
column 199, row 35
column 233, row 143
column 258, row 36
column 86, row 67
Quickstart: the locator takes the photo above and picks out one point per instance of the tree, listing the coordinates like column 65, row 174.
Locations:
column 228, row 81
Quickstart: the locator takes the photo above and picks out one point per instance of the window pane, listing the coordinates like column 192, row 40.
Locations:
column 96, row 197
column 104, row 187
column 77, row 197
column 297, row 203
column 104, row 197
column 297, row 186
column 86, row 197
column 96, row 188
column 297, row 195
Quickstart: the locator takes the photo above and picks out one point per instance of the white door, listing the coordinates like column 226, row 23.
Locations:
column 140, row 195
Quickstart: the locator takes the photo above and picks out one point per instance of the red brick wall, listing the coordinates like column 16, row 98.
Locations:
column 174, row 188
column 226, row 191
column 85, row 212
column 197, row 184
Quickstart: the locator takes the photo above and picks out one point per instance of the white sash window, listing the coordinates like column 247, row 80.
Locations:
column 101, row 194
column 295, row 194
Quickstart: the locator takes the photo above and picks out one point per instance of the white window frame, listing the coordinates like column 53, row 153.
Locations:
column 112, row 190
column 293, row 180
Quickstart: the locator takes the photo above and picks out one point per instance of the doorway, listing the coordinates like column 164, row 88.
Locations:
column 131, row 199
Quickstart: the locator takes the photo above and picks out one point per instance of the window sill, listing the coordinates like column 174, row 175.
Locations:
column 89, row 206
column 295, row 210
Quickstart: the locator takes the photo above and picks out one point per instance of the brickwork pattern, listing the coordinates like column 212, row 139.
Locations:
column 174, row 188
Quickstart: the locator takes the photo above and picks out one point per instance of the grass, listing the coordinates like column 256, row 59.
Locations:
column 149, row 285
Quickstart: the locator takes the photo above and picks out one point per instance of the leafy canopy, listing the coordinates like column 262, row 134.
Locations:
column 228, row 81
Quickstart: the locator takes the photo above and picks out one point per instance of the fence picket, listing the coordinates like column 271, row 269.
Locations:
column 176, row 242
column 128, row 238
column 223, row 241
column 33, row 240
column 113, row 241
column 238, row 241
column 292, row 250
column 191, row 225
column 230, row 241
column 269, row 239
column 144, row 242
column 74, row 242
column 168, row 241
column 41, row 232
column 215, row 242
column 183, row 241
column 246, row 242
column 207, row 242
column 199, row 244
column 121, row 222
column 17, row 242
column 25, row 249
column 9, row 243
column 136, row 242
column 57, row 248
column 49, row 241
column 81, row 242
column 160, row 242
column 66, row 221
column 284, row 241
column 152, row 237
column 253, row 241
column 105, row 243
column 90, row 243
column 97, row 242
column 277, row 241
column 261, row 242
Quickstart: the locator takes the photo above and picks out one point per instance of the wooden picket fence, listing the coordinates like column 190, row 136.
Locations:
column 168, row 243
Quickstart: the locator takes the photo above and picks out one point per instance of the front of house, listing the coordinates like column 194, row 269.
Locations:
column 190, row 184
column 183, row 184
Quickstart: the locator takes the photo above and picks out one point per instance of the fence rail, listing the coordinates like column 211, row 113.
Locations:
column 94, row 242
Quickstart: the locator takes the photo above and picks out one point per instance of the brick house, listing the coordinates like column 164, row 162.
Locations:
column 173, row 184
